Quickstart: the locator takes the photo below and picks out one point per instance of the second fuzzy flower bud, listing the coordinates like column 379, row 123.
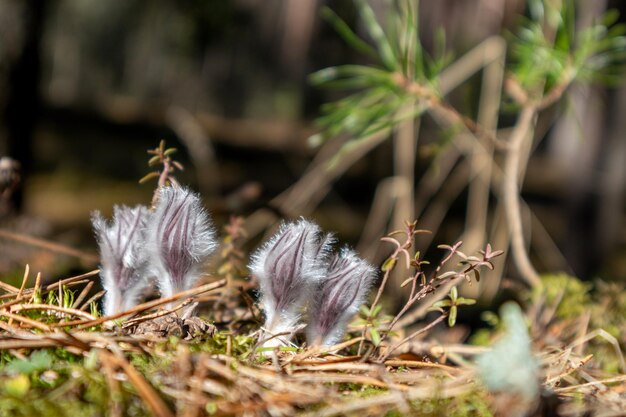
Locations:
column 296, row 269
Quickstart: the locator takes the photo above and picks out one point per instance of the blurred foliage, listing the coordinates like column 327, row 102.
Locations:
column 484, row 336
column 572, row 298
column 611, row 298
column 46, row 383
column 383, row 89
column 52, row 382
column 571, row 294
column 549, row 50
column 548, row 53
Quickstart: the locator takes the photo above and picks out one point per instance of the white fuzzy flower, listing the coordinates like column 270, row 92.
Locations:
column 179, row 239
column 121, row 257
column 289, row 266
column 338, row 298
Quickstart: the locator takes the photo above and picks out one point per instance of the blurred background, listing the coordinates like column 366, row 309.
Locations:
column 87, row 86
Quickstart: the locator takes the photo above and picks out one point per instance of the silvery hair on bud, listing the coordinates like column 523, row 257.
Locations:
column 179, row 239
column 122, row 264
column 289, row 266
column 339, row 297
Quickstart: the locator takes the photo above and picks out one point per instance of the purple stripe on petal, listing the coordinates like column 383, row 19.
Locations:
column 289, row 267
column 180, row 239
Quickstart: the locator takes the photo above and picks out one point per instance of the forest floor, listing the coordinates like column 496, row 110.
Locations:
column 58, row 357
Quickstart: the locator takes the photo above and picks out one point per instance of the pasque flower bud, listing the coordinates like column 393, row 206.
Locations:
column 338, row 297
column 179, row 239
column 289, row 267
column 122, row 261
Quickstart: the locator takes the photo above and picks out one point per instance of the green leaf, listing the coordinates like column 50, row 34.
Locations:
column 343, row 29
column 37, row 296
column 93, row 308
column 288, row 348
column 406, row 282
column 280, row 348
column 211, row 408
column 442, row 303
column 388, row 264
column 454, row 293
column 148, row 177
column 376, row 310
column 91, row 360
column 419, row 72
column 452, row 316
column 346, row 71
column 378, row 35
column 154, row 160
column 375, row 336
column 465, row 301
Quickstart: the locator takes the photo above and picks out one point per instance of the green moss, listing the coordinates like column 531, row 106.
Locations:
column 472, row 404
column 48, row 384
column 571, row 294
column 604, row 301
column 358, row 390
column 240, row 345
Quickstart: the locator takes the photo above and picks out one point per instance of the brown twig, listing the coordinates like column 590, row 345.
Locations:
column 413, row 335
column 32, row 323
column 108, row 367
column 150, row 304
column 156, row 405
column 511, row 193
column 421, row 365
column 51, row 307
column 82, row 295
column 570, row 370
column 93, row 298
column 134, row 322
column 50, row 246
column 392, row 260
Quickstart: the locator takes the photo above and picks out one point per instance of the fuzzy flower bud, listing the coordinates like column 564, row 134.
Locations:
column 338, row 298
column 122, row 263
column 289, row 267
column 180, row 237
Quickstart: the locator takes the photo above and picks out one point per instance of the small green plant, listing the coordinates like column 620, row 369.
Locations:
column 162, row 156
column 451, row 305
column 167, row 167
column 422, row 284
column 373, row 321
